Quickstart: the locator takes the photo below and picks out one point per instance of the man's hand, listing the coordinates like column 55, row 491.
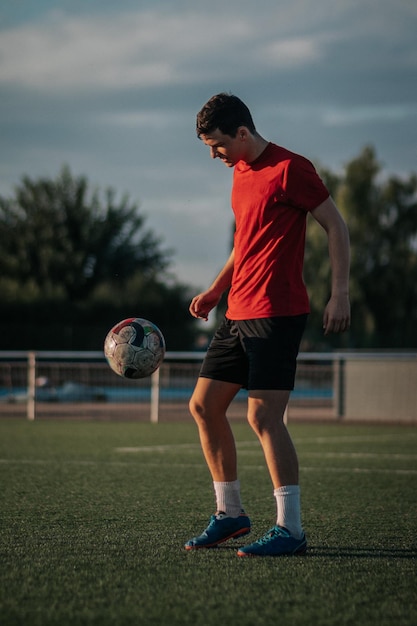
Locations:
column 202, row 304
column 336, row 318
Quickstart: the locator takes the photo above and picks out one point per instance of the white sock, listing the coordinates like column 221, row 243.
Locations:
column 228, row 497
column 289, row 509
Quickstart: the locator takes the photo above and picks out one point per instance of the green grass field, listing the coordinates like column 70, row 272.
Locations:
column 94, row 517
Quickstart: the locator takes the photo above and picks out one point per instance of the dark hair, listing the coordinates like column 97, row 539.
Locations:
column 225, row 112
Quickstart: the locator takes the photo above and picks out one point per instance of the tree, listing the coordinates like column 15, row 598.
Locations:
column 74, row 262
column 59, row 239
column 382, row 218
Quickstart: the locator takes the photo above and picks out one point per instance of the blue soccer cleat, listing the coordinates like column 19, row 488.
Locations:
column 276, row 542
column 220, row 529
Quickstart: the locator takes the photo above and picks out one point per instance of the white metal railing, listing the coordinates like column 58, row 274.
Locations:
column 318, row 374
column 32, row 359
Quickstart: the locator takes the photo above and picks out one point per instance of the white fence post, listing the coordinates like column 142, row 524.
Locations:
column 31, row 401
column 339, row 386
column 155, row 397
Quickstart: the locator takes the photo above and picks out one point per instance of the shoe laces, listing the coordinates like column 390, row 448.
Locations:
column 276, row 531
column 214, row 518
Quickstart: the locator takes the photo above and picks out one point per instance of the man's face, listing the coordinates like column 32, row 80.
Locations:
column 228, row 149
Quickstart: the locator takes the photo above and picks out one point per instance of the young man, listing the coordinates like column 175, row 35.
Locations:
column 256, row 346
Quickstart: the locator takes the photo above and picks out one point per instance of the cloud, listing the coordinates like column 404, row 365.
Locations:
column 368, row 114
column 293, row 51
column 149, row 119
column 157, row 48
column 141, row 49
column 147, row 49
column 69, row 52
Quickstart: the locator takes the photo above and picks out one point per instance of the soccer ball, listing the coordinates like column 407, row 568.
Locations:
column 134, row 348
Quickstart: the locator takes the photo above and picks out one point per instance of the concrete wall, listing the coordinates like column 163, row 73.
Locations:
column 380, row 389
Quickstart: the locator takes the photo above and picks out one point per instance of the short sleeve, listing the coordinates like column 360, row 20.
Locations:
column 304, row 187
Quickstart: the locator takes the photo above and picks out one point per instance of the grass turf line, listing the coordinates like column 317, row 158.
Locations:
column 91, row 535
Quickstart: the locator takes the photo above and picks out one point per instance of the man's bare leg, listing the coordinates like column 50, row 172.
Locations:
column 266, row 416
column 208, row 406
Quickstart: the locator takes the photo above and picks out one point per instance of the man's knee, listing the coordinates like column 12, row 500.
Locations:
column 197, row 408
column 259, row 419
column 211, row 399
column 266, row 410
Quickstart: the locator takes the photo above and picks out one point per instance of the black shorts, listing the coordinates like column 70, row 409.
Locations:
column 256, row 354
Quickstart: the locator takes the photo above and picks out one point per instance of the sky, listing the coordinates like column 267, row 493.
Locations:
column 111, row 89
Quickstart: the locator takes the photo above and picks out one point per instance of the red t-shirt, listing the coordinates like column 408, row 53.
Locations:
column 270, row 199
